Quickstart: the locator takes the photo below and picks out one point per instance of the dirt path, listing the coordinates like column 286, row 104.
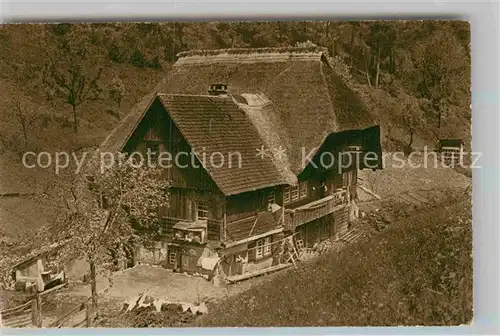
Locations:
column 406, row 185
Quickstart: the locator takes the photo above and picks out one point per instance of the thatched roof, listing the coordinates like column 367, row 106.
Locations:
column 308, row 100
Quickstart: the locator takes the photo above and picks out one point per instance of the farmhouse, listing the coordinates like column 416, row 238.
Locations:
column 451, row 150
column 296, row 129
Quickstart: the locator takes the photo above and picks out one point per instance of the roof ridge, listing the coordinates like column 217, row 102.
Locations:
column 239, row 51
column 193, row 95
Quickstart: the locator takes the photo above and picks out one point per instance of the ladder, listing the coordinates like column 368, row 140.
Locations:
column 293, row 254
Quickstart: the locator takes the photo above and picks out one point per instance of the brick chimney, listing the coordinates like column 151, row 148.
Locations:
column 218, row 89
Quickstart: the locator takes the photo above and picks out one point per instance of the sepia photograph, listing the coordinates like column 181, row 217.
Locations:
column 236, row 174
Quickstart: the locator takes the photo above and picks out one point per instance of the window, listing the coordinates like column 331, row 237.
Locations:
column 267, row 247
column 202, row 211
column 303, row 189
column 152, row 152
column 353, row 148
column 295, row 193
column 172, row 257
column 286, row 195
column 270, row 199
column 263, row 247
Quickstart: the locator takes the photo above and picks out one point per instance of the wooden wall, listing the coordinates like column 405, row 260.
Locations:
column 158, row 127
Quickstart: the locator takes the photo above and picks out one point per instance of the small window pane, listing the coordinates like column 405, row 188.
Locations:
column 295, row 193
column 202, row 211
column 267, row 247
column 270, row 198
column 153, row 151
column 303, row 189
column 172, row 257
column 286, row 195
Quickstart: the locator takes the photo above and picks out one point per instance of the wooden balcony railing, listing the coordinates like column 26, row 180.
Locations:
column 211, row 231
column 317, row 209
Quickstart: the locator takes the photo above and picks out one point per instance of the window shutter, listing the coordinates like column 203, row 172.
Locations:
column 251, row 251
column 189, row 211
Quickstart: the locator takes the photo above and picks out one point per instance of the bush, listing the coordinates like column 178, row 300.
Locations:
column 418, row 272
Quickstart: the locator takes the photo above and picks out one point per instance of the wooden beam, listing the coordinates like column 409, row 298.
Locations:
column 252, row 274
column 53, row 289
column 246, row 240
column 370, row 192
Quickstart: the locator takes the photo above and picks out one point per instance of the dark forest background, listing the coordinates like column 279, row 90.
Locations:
column 63, row 87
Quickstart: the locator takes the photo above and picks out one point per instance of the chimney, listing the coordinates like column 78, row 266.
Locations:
column 218, row 89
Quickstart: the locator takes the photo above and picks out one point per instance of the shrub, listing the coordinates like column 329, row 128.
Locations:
column 418, row 272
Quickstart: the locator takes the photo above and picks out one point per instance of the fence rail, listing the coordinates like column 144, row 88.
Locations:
column 317, row 209
column 29, row 314
column 18, row 317
column 72, row 313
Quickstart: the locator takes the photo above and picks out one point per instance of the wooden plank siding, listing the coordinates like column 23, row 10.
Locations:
column 319, row 208
column 157, row 127
column 341, row 221
column 247, row 204
column 18, row 317
column 214, row 228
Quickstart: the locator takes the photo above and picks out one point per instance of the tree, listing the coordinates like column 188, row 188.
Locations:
column 73, row 71
column 100, row 212
column 26, row 116
column 20, row 112
column 379, row 41
column 413, row 120
column 116, row 90
column 197, row 35
column 442, row 72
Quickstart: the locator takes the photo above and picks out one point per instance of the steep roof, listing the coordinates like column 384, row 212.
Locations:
column 307, row 99
column 215, row 124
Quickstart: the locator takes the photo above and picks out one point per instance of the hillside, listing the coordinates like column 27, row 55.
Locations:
column 413, row 76
column 421, row 66
column 416, row 272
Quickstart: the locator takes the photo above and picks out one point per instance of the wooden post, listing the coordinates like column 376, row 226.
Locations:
column 89, row 314
column 36, row 311
column 39, row 307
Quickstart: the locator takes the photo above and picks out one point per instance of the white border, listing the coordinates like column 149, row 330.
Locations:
column 485, row 101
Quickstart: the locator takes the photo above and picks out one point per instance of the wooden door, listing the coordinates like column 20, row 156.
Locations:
column 174, row 257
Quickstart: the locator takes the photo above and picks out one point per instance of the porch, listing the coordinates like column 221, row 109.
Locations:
column 309, row 212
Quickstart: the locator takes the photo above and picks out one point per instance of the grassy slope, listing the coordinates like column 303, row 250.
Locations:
column 53, row 135
column 417, row 272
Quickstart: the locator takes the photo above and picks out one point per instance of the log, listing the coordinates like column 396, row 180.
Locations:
column 19, row 325
column 53, row 289
column 27, row 304
column 80, row 324
column 369, row 192
column 249, row 275
column 16, row 313
column 68, row 315
column 23, row 320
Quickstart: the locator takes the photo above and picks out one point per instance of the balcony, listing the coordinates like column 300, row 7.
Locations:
column 317, row 209
column 194, row 232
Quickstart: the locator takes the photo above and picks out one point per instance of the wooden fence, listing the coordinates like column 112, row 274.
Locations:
column 71, row 319
column 29, row 314
column 19, row 317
